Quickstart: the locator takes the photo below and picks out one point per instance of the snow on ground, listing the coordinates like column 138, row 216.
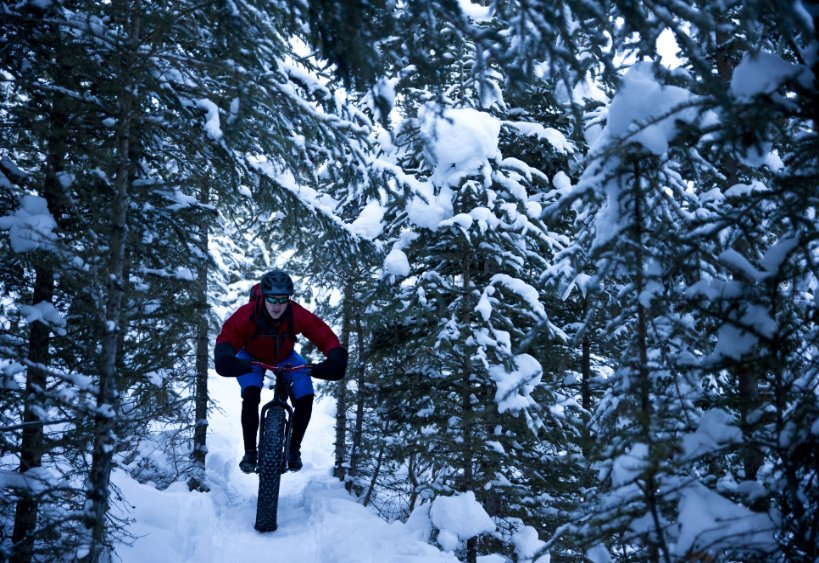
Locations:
column 318, row 521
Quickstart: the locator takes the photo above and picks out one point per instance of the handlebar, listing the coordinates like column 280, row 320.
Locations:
column 283, row 369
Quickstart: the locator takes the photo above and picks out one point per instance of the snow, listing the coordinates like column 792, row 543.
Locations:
column 641, row 100
column 762, row 154
column 738, row 263
column 549, row 134
column 36, row 479
column 668, row 48
column 710, row 522
column 180, row 273
column 715, row 431
column 776, row 255
column 527, row 543
column 598, row 554
column 460, row 143
column 45, row 313
column 383, row 101
column 742, row 190
column 428, row 209
column 212, row 126
column 462, row 220
column 318, row 521
column 760, row 73
column 628, row 467
column 183, row 273
column 514, row 387
column 369, row 224
column 734, row 342
column 484, row 306
column 523, row 290
column 234, row 110
column 65, row 179
column 308, row 197
column 561, row 181
column 475, row 11
column 32, row 225
column 458, row 518
column 396, row 264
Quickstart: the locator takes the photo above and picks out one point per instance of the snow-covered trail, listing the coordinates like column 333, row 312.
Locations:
column 318, row 521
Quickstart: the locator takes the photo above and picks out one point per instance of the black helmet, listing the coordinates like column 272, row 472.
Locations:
column 277, row 282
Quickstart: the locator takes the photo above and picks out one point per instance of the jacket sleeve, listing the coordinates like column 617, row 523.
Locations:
column 229, row 341
column 237, row 329
column 316, row 330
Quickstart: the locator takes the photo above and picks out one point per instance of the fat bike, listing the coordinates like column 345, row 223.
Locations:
column 275, row 427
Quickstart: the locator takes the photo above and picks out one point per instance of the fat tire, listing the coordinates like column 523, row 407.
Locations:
column 271, row 458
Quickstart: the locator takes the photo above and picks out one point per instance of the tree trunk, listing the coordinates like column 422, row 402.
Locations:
column 376, row 472
column 358, row 429
column 31, row 447
column 747, row 376
column 341, row 393
column 107, row 395
column 412, row 477
column 585, row 383
column 466, row 402
column 655, row 546
column 197, row 479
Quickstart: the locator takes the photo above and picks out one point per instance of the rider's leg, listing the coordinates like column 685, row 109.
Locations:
column 251, row 397
column 301, row 395
column 251, row 385
column 302, row 410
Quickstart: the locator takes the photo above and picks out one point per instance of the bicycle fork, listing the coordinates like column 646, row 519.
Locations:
column 288, row 427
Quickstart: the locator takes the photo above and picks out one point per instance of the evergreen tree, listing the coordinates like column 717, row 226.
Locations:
column 474, row 250
column 667, row 331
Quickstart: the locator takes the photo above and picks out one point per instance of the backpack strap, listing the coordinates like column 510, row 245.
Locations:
column 256, row 299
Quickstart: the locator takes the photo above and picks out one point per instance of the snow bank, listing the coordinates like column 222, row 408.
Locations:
column 318, row 521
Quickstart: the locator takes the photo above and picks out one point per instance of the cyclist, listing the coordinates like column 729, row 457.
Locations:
column 265, row 330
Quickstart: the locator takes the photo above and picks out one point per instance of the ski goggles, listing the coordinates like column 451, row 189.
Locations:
column 276, row 300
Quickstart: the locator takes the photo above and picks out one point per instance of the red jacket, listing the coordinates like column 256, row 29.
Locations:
column 252, row 328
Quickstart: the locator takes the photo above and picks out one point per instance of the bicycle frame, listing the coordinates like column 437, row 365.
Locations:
column 280, row 390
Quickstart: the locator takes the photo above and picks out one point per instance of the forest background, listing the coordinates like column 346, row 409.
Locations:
column 577, row 273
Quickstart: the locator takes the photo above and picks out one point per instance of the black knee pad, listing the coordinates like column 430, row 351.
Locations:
column 252, row 395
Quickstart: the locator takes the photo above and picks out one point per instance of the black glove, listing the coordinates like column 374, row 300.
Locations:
column 333, row 368
column 226, row 362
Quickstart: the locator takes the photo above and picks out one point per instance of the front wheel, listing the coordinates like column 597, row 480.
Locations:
column 271, row 458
